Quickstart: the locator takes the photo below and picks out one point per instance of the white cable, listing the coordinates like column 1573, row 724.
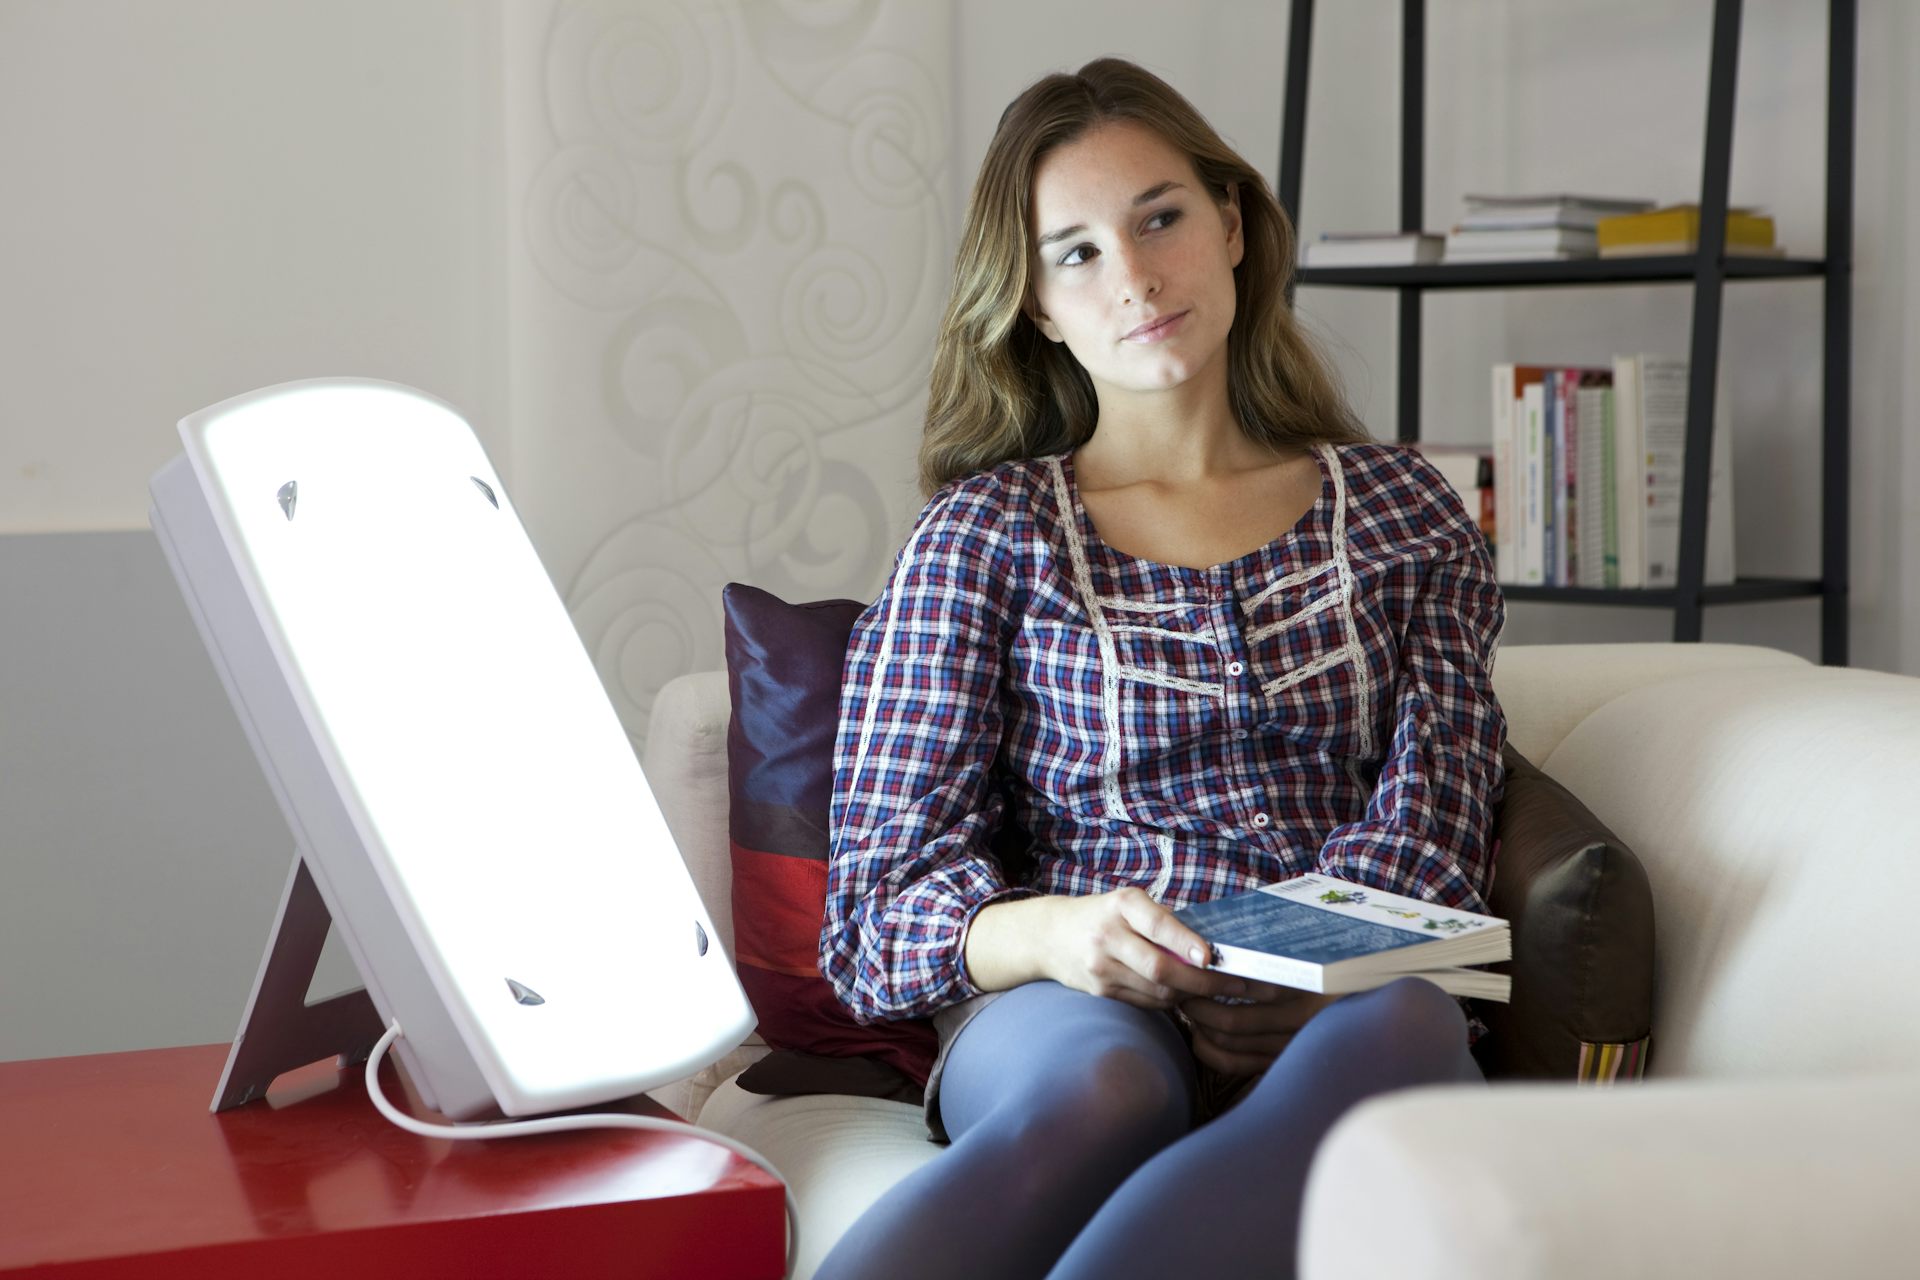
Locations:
column 556, row 1124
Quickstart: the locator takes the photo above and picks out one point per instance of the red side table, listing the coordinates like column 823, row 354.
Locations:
column 111, row 1166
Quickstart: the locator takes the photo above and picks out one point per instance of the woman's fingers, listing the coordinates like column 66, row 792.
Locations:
column 1286, row 1014
column 1229, row 1061
column 1174, row 955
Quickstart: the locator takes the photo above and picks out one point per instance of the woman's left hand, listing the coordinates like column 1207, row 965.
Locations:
column 1244, row 1039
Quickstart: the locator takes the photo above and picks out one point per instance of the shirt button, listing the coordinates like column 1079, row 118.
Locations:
column 1262, row 821
column 1235, row 668
column 1239, row 735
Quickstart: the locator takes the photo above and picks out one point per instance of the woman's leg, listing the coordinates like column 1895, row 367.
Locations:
column 1052, row 1097
column 1225, row 1201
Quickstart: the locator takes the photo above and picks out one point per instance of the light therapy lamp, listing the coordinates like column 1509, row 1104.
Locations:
column 466, row 809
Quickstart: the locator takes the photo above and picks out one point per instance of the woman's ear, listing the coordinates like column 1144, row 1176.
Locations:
column 1230, row 219
column 1047, row 328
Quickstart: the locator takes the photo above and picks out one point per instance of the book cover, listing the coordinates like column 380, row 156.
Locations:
column 1679, row 224
column 1321, row 933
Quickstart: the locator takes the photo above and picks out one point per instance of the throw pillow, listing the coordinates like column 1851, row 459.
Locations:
column 1582, row 917
column 784, row 664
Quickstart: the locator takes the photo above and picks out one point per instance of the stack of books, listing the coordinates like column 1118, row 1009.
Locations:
column 1587, row 466
column 1372, row 249
column 1676, row 229
column 1534, row 228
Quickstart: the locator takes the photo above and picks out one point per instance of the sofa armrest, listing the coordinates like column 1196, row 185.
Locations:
column 1701, row 1179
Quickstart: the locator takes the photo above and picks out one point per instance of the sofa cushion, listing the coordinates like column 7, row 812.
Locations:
column 784, row 665
column 1582, row 919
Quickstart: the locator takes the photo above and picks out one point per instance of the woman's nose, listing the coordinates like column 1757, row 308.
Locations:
column 1137, row 278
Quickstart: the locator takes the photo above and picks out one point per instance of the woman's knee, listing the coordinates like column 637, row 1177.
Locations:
column 1121, row 1103
column 1407, row 1031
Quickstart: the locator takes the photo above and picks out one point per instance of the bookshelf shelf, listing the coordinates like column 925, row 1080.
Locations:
column 1740, row 591
column 1669, row 269
column 1707, row 272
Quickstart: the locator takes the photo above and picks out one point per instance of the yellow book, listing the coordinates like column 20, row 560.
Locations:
column 1680, row 224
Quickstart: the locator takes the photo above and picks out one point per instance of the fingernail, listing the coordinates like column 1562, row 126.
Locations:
column 1197, row 955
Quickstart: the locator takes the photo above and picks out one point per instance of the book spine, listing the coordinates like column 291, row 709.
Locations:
column 1663, row 418
column 1630, row 472
column 1720, row 566
column 1563, row 476
column 1590, row 518
column 1506, row 537
column 1533, row 567
column 1610, row 465
column 1549, row 402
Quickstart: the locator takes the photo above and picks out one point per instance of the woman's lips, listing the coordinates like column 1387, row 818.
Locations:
column 1154, row 330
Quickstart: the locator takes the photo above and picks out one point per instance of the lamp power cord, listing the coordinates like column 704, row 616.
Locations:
column 558, row 1124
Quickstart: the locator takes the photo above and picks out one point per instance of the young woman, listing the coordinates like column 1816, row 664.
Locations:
column 1170, row 627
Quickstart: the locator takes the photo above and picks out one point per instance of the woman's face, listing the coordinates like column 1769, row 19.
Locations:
column 1133, row 261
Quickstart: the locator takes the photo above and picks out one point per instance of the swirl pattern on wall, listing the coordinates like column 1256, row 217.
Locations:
column 731, row 243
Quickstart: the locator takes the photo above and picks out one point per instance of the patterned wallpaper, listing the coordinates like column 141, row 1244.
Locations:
column 730, row 235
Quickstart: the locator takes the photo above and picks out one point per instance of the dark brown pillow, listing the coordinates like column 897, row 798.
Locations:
column 1582, row 918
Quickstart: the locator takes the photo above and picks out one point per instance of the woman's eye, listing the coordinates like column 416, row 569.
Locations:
column 1165, row 218
column 1079, row 254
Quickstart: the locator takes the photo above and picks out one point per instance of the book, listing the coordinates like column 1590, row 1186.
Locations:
column 1658, row 230
column 1531, row 443
column 1459, row 256
column 1571, row 240
column 1547, row 210
column 1565, row 449
column 1512, row 542
column 1373, row 249
column 1596, row 531
column 1657, row 416
column 1319, row 933
column 1509, row 462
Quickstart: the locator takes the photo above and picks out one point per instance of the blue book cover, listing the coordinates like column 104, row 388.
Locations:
column 1327, row 934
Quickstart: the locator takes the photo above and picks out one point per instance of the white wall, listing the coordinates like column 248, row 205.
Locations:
column 207, row 196
column 728, row 242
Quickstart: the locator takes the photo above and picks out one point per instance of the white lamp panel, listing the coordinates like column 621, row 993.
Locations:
column 485, row 773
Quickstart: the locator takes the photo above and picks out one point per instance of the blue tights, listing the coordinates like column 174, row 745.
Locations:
column 1074, row 1154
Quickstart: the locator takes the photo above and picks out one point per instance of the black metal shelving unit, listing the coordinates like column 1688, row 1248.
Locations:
column 1707, row 271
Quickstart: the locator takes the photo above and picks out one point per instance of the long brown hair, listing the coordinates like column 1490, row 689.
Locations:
column 1001, row 390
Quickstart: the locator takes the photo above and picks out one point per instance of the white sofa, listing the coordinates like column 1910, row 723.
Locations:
column 1778, row 1132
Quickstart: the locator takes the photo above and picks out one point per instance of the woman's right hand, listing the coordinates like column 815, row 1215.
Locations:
column 1120, row 944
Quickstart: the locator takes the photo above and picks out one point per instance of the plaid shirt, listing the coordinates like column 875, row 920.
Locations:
column 1320, row 704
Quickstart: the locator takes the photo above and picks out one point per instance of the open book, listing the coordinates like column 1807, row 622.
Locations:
column 1318, row 933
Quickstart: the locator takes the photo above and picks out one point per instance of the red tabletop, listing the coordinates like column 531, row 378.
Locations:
column 111, row 1165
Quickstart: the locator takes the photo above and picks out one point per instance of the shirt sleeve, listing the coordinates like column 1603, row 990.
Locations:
column 1428, row 825
column 913, row 809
